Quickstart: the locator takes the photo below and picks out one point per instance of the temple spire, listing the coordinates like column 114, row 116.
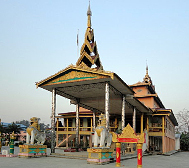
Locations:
column 147, row 70
column 89, row 57
column 147, row 78
column 89, row 14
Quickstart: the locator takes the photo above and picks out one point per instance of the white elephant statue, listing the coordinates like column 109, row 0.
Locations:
column 101, row 135
column 33, row 133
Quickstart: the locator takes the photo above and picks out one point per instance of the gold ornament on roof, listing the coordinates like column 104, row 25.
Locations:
column 147, row 78
column 89, row 54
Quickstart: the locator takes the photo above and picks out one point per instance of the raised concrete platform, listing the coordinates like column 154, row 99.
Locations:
column 100, row 155
column 32, row 150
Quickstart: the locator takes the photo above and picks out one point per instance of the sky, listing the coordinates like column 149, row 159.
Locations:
column 38, row 39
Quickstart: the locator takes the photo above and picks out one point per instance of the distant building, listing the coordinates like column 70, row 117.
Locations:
column 21, row 136
column 161, row 123
column 22, row 127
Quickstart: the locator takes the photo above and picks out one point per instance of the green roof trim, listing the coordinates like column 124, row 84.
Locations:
column 76, row 78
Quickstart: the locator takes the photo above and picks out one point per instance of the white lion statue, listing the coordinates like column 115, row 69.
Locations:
column 33, row 131
column 101, row 135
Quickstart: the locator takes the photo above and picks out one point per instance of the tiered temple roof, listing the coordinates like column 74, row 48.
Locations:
column 89, row 54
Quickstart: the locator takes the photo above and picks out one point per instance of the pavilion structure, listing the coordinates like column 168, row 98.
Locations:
column 89, row 86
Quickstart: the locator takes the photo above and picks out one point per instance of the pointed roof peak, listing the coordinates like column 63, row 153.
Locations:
column 146, row 68
column 89, row 57
column 89, row 14
column 147, row 78
column 89, row 10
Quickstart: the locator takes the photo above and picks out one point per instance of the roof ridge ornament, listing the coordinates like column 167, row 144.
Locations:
column 89, row 10
column 89, row 54
column 147, row 78
column 89, row 14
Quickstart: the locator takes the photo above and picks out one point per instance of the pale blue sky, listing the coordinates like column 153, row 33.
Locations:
column 38, row 38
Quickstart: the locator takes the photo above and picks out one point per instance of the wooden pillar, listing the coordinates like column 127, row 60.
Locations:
column 134, row 119
column 148, row 138
column 85, row 141
column 139, row 155
column 163, row 135
column 91, row 129
column 53, row 135
column 123, row 112
column 118, row 156
column 67, row 133
column 90, row 141
column 147, row 126
column 77, row 126
column 116, row 123
column 107, row 104
column 142, row 120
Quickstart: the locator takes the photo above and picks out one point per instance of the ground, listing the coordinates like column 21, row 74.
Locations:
column 177, row 160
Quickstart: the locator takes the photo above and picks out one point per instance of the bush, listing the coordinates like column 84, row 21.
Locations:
column 184, row 142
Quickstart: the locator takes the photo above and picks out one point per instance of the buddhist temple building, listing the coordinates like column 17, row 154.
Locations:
column 161, row 124
column 93, row 91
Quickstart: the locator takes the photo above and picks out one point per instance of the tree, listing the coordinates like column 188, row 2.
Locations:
column 183, row 120
column 24, row 122
column 43, row 126
column 13, row 127
column 184, row 141
column 2, row 129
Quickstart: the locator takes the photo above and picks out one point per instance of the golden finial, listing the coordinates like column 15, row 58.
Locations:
column 147, row 78
column 146, row 68
column 89, row 10
column 89, row 14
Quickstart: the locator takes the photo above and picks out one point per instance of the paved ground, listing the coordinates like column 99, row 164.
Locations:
column 178, row 160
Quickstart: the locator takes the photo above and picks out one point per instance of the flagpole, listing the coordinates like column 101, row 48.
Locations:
column 78, row 44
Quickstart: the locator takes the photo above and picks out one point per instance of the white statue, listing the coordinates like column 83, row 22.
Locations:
column 33, row 131
column 101, row 135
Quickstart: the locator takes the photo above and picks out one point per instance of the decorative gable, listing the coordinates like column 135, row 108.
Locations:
column 75, row 76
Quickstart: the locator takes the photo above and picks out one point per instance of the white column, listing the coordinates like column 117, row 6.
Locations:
column 53, row 135
column 134, row 119
column 94, row 121
column 107, row 104
column 123, row 112
column 77, row 126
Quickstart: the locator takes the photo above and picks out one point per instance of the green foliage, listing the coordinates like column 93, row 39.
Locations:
column 184, row 142
column 13, row 127
column 24, row 122
column 43, row 126
column 2, row 129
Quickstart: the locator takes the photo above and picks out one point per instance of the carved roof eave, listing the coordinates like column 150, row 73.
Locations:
column 156, row 97
column 149, row 85
column 168, row 111
column 140, row 84
column 73, row 67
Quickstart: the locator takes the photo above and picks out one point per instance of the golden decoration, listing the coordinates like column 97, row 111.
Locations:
column 139, row 156
column 77, row 75
column 128, row 132
column 117, row 154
